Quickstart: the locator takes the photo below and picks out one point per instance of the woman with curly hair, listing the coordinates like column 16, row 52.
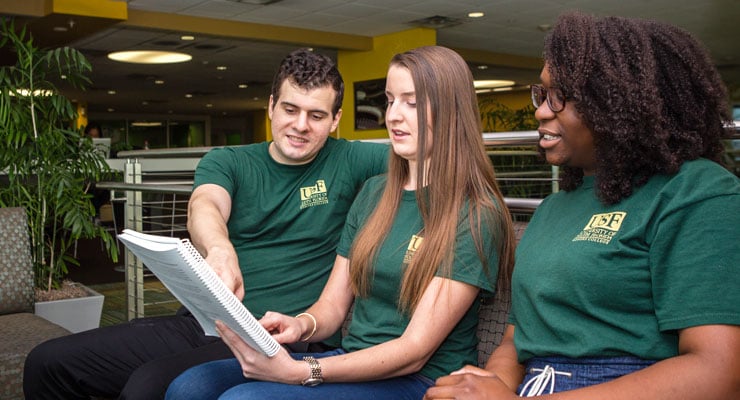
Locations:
column 626, row 283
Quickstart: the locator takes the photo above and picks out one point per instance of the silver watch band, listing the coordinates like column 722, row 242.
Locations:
column 315, row 378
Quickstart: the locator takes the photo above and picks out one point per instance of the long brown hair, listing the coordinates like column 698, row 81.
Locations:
column 459, row 175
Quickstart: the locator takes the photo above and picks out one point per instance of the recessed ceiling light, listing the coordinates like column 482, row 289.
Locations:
column 257, row 2
column 159, row 82
column 149, row 57
column 476, row 14
column 243, row 86
column 111, row 110
column 482, row 67
column 187, row 37
column 35, row 93
column 188, row 95
column 222, row 68
column 494, row 83
column 209, row 105
column 111, row 92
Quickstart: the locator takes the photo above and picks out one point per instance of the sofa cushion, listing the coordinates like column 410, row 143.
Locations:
column 16, row 270
column 20, row 333
column 493, row 314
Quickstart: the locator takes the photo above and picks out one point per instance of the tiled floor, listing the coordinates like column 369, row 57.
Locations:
column 157, row 301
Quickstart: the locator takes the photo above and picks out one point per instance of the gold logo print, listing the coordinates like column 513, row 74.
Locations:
column 308, row 191
column 314, row 195
column 611, row 221
column 602, row 228
column 414, row 245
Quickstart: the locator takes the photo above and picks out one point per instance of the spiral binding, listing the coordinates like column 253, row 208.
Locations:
column 231, row 303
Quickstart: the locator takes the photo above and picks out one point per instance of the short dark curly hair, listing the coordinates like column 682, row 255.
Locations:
column 648, row 91
column 309, row 70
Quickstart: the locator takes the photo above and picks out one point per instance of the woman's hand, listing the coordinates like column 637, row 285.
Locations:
column 279, row 368
column 470, row 383
column 283, row 328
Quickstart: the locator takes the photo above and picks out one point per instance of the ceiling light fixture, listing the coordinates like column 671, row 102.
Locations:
column 27, row 92
column 149, row 57
column 493, row 83
column 187, row 37
column 257, row 2
column 146, row 124
column 476, row 14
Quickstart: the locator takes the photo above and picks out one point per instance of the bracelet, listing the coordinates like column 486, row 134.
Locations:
column 315, row 325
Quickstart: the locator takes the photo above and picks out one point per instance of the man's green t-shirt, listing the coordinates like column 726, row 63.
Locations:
column 593, row 280
column 376, row 318
column 286, row 220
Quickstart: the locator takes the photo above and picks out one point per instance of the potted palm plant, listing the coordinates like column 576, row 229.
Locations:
column 46, row 165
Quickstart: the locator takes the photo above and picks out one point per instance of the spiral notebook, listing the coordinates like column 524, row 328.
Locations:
column 184, row 272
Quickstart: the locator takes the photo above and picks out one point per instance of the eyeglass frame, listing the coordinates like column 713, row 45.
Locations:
column 537, row 91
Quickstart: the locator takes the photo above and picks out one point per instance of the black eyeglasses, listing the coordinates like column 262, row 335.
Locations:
column 554, row 97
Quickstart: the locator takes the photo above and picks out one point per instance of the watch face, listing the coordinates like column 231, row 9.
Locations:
column 312, row 382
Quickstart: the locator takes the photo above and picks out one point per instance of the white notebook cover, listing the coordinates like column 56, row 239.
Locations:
column 184, row 272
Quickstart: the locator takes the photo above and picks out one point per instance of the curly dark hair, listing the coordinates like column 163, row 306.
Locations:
column 648, row 91
column 309, row 70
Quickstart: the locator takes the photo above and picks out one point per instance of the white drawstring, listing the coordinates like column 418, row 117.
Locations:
column 539, row 383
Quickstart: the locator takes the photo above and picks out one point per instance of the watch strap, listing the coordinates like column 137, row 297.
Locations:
column 315, row 377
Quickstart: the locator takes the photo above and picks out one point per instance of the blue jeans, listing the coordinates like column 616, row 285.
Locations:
column 558, row 374
column 223, row 380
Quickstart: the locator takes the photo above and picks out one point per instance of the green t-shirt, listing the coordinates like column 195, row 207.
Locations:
column 593, row 280
column 286, row 220
column 376, row 318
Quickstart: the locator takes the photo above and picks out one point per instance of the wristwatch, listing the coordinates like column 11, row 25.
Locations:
column 315, row 378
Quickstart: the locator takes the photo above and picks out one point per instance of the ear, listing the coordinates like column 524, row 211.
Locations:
column 269, row 108
column 335, row 123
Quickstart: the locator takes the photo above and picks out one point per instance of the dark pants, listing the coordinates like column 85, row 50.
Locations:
column 134, row 360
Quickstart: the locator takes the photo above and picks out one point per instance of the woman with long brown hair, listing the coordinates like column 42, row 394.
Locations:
column 420, row 246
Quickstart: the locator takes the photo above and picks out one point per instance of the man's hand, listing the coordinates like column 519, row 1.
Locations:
column 224, row 261
column 208, row 210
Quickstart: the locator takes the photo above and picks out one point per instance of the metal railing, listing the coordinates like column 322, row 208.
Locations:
column 157, row 185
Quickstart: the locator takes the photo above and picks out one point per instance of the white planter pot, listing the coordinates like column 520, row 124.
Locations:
column 76, row 315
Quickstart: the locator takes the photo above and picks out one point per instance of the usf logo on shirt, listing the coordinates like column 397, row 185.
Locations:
column 414, row 245
column 314, row 195
column 601, row 228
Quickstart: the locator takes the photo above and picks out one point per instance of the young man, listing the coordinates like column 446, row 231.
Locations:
column 266, row 216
